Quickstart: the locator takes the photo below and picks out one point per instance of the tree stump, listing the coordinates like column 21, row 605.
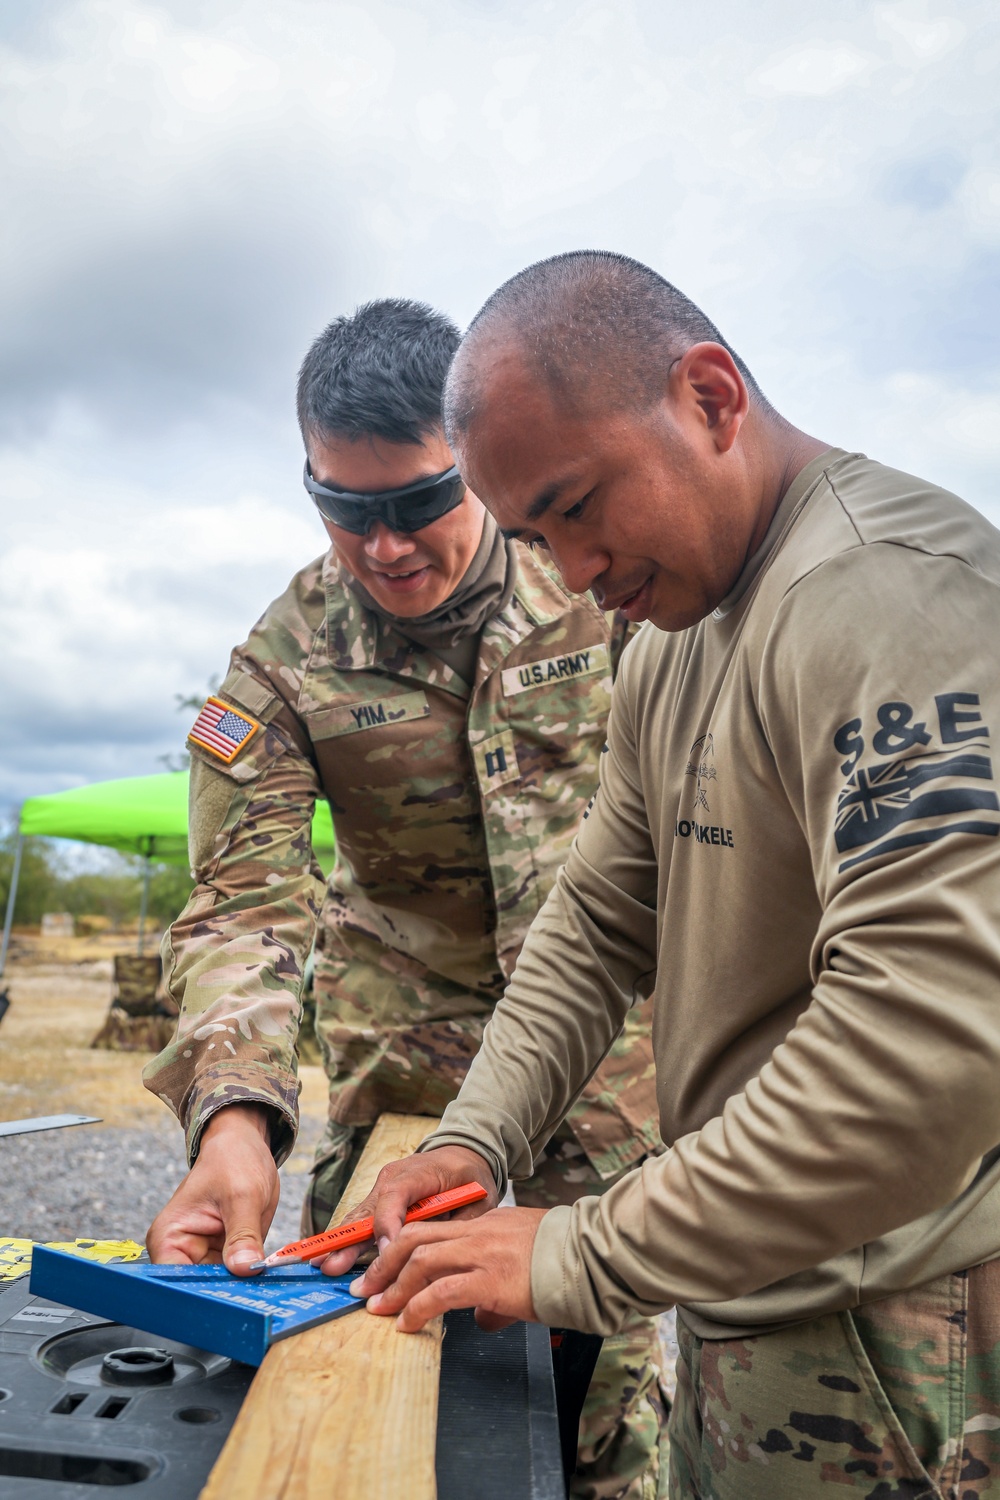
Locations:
column 142, row 1017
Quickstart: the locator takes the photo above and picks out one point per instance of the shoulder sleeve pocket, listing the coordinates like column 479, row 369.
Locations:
column 236, row 730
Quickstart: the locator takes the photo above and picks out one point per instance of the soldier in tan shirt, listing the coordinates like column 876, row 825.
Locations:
column 795, row 848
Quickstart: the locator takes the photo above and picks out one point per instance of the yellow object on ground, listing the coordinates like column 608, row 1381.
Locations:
column 15, row 1255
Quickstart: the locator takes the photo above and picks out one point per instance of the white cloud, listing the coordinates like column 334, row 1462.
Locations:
column 980, row 199
column 196, row 188
column 103, row 624
column 920, row 39
column 813, row 71
column 943, row 429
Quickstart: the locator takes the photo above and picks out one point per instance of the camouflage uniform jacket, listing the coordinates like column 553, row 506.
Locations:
column 453, row 806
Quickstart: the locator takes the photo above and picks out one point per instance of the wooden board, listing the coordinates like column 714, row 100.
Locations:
column 348, row 1409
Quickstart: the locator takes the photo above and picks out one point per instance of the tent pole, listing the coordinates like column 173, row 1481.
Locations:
column 144, row 903
column 8, row 920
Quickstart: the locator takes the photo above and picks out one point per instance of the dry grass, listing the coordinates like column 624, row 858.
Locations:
column 60, row 992
column 106, row 1180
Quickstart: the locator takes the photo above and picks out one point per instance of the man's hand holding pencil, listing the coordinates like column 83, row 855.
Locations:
column 480, row 1257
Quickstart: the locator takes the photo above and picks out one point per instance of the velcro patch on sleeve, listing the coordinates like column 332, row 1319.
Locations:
column 222, row 730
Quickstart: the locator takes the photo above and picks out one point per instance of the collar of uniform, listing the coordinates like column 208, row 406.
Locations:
column 352, row 637
column 538, row 599
column 359, row 640
column 800, row 490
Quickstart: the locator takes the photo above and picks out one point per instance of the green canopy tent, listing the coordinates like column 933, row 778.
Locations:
column 145, row 815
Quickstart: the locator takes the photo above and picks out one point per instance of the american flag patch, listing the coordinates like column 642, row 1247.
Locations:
column 222, row 729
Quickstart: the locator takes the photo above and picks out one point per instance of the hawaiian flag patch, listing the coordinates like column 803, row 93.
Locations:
column 222, row 730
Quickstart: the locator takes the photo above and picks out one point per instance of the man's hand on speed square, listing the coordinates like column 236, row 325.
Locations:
column 224, row 1207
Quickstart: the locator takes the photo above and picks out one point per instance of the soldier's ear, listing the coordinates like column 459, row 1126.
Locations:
column 705, row 382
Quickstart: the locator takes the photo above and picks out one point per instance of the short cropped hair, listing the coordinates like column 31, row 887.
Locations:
column 378, row 373
column 595, row 325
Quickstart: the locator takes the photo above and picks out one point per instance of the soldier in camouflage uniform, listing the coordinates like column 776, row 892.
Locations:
column 458, row 749
column 896, row 1400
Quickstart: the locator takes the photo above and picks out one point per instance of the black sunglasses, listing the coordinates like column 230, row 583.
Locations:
column 409, row 509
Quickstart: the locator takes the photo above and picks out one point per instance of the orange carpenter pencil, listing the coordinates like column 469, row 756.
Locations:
column 319, row 1245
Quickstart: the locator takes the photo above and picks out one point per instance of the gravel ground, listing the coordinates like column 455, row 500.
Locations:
column 107, row 1180
column 104, row 1182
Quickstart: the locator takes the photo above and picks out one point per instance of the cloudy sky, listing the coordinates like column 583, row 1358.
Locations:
column 191, row 190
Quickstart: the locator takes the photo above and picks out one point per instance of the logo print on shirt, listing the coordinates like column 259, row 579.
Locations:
column 701, row 765
column 932, row 788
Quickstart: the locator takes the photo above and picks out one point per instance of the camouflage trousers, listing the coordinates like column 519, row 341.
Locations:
column 900, row 1398
column 623, row 1424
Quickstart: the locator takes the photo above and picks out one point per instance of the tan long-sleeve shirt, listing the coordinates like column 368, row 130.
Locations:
column 795, row 846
